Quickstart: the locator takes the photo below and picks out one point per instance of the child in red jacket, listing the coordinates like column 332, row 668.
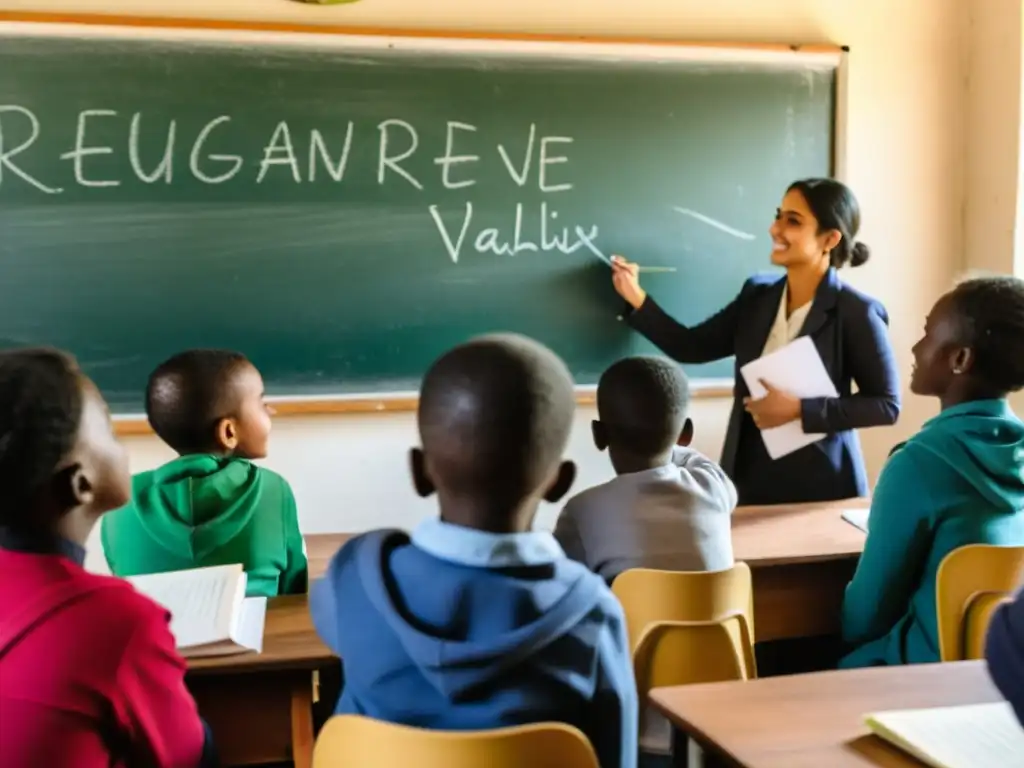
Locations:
column 91, row 677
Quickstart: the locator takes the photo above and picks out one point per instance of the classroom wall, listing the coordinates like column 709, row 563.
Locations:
column 905, row 155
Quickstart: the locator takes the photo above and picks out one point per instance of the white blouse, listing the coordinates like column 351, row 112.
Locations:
column 785, row 329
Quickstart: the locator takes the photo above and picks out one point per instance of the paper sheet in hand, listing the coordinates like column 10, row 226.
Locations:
column 797, row 369
column 972, row 736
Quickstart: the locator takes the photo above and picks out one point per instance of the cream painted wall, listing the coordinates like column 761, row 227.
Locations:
column 905, row 160
column 992, row 151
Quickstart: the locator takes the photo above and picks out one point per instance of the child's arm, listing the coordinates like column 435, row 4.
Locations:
column 153, row 706
column 615, row 722
column 897, row 546
column 295, row 579
column 1004, row 652
column 709, row 479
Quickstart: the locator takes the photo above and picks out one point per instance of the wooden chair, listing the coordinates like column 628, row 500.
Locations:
column 352, row 741
column 651, row 597
column 970, row 583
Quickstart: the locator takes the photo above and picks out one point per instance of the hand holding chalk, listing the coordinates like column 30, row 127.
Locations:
column 626, row 279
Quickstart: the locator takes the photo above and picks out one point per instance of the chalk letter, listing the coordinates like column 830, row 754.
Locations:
column 487, row 240
column 317, row 145
column 193, row 160
column 546, row 161
column 282, row 134
column 520, row 178
column 456, row 247
column 165, row 168
column 393, row 162
column 81, row 150
column 6, row 155
column 448, row 160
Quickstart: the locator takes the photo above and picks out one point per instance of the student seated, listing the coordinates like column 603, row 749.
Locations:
column 474, row 621
column 1004, row 652
column 958, row 481
column 211, row 505
column 669, row 507
column 89, row 675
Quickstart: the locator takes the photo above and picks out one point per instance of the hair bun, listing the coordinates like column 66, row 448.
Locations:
column 859, row 254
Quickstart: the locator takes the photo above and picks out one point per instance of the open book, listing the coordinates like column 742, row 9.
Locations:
column 973, row 736
column 210, row 614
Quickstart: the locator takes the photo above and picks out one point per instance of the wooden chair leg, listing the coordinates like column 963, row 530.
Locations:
column 302, row 724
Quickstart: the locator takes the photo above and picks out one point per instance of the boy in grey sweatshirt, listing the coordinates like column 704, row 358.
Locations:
column 669, row 507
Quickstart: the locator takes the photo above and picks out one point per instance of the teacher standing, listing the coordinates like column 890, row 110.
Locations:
column 813, row 235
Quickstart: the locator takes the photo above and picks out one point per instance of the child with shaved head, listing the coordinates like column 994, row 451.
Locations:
column 475, row 621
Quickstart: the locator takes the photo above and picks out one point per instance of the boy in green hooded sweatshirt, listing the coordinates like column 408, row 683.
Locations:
column 211, row 505
column 958, row 481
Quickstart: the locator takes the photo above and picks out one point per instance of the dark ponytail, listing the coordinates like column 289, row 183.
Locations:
column 835, row 207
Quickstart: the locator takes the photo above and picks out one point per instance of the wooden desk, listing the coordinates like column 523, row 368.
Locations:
column 801, row 557
column 816, row 720
column 259, row 706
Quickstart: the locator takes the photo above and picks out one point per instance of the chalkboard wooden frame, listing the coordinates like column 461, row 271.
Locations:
column 458, row 41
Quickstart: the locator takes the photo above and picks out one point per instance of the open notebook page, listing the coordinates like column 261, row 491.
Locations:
column 202, row 601
column 973, row 736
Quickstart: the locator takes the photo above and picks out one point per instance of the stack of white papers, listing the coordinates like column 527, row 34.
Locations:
column 798, row 370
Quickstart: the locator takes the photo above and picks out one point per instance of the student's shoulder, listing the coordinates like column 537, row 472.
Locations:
column 590, row 498
column 603, row 600
column 912, row 463
column 369, row 548
column 270, row 477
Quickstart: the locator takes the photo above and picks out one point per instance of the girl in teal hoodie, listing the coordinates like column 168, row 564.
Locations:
column 958, row 481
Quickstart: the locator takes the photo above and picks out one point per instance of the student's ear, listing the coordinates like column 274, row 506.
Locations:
column 686, row 436
column 563, row 481
column 962, row 360
column 72, row 488
column 600, row 433
column 226, row 435
column 420, row 477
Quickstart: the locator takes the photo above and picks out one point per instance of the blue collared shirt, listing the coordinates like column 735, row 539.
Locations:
column 481, row 549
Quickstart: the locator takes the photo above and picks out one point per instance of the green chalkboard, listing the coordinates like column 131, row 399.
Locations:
column 157, row 195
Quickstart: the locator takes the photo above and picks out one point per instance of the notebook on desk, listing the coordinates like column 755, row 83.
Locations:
column 858, row 518
column 210, row 614
column 973, row 736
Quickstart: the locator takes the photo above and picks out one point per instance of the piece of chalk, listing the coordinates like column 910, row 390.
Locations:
column 657, row 269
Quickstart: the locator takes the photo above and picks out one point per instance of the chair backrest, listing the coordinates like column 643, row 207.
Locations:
column 353, row 741
column 963, row 574
column 652, row 597
column 688, row 652
column 979, row 614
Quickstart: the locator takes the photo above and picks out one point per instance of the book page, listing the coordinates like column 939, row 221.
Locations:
column 796, row 368
column 974, row 736
column 200, row 601
column 251, row 622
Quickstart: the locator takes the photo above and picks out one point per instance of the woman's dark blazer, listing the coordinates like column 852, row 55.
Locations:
column 850, row 331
